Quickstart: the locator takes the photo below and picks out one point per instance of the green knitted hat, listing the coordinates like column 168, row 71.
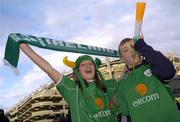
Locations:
column 83, row 58
column 79, row 61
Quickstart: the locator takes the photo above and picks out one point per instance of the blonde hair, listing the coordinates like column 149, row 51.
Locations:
column 122, row 43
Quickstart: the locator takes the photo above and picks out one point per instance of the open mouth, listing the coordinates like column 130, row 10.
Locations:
column 88, row 71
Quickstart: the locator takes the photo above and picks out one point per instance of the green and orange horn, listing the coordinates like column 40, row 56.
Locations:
column 140, row 8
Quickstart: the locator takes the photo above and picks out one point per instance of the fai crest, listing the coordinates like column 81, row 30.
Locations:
column 148, row 73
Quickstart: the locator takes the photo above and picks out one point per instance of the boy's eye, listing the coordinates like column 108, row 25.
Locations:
column 125, row 50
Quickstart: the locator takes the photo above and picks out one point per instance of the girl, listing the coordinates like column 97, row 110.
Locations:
column 88, row 97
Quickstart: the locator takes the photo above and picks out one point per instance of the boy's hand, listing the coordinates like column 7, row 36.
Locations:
column 136, row 38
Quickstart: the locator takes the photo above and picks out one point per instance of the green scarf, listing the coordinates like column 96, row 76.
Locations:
column 12, row 47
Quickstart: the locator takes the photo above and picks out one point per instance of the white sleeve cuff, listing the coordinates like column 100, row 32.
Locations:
column 59, row 80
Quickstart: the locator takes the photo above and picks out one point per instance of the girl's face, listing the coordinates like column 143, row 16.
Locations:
column 126, row 51
column 87, row 70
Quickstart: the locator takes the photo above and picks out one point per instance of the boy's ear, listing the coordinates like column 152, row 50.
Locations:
column 122, row 59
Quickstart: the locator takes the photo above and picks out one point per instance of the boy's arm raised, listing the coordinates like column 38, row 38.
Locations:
column 42, row 63
column 160, row 65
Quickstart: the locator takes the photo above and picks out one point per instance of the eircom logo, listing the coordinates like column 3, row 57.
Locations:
column 141, row 89
column 101, row 114
column 99, row 103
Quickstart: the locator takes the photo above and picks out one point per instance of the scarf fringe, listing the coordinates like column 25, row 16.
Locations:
column 16, row 71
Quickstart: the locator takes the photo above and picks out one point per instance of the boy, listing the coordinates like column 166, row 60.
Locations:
column 143, row 91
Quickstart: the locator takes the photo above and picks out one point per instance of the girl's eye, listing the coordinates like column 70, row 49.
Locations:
column 90, row 64
column 82, row 65
column 87, row 64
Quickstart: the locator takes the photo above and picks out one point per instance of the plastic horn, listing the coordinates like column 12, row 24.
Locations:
column 140, row 8
column 68, row 63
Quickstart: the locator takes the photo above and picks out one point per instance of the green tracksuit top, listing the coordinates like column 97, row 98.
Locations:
column 145, row 98
column 79, row 109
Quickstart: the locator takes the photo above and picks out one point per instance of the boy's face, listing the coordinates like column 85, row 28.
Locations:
column 126, row 51
column 87, row 70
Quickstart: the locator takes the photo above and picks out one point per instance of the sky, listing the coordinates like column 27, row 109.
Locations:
column 102, row 23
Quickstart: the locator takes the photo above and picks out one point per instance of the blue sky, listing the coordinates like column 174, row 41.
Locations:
column 100, row 23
